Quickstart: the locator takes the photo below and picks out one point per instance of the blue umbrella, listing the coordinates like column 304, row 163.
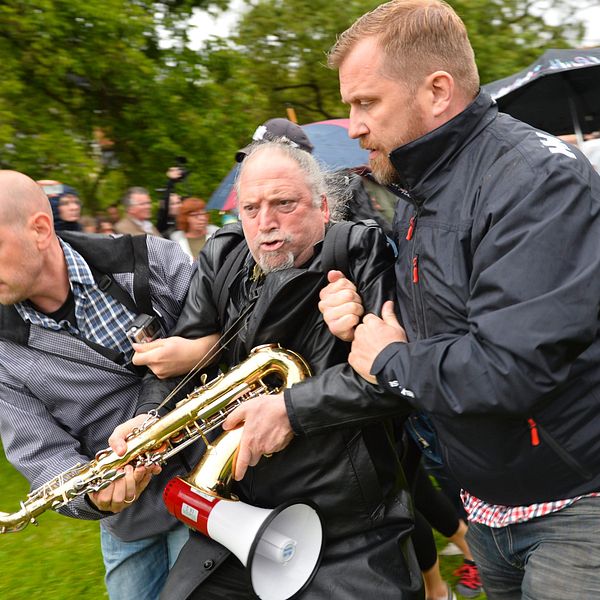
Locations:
column 332, row 147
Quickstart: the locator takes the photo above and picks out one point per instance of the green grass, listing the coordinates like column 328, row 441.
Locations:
column 58, row 560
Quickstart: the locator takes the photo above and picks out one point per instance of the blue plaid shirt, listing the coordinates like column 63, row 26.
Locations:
column 100, row 318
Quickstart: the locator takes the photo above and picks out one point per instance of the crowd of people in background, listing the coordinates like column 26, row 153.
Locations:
column 185, row 220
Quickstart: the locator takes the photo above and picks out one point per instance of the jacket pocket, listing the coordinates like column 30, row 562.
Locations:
column 365, row 476
column 563, row 454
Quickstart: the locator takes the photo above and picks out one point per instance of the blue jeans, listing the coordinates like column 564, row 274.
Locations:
column 554, row 557
column 138, row 570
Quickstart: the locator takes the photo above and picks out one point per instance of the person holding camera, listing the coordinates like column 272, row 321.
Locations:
column 66, row 381
column 170, row 202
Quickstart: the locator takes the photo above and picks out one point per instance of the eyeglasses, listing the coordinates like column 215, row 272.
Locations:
column 201, row 214
column 67, row 201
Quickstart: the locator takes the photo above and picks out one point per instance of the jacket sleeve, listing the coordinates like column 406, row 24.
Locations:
column 198, row 317
column 37, row 458
column 534, row 296
column 336, row 396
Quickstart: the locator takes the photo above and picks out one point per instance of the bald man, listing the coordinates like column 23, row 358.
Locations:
column 65, row 375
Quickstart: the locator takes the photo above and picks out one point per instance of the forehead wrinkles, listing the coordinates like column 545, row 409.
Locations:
column 272, row 178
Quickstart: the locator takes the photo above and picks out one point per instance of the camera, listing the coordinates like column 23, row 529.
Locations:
column 144, row 329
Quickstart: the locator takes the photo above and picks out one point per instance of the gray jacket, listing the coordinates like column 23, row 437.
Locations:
column 60, row 399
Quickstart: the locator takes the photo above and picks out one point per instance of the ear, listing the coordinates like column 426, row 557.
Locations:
column 440, row 86
column 325, row 208
column 42, row 227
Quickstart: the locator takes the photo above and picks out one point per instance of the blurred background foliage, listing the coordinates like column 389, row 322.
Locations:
column 105, row 94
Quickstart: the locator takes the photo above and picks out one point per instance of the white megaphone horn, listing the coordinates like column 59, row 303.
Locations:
column 281, row 548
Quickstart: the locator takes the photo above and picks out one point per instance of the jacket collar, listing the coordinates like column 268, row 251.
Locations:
column 434, row 152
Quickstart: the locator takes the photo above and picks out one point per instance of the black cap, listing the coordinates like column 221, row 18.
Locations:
column 277, row 129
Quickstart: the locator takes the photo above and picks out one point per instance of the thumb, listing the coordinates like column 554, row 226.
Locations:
column 388, row 314
column 140, row 348
column 333, row 276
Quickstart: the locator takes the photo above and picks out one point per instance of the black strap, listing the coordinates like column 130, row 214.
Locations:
column 334, row 255
column 227, row 273
column 109, row 286
column 141, row 275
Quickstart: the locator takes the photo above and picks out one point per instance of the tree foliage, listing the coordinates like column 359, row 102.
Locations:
column 289, row 41
column 88, row 93
column 105, row 94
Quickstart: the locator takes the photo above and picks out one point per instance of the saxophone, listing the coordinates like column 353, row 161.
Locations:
column 159, row 438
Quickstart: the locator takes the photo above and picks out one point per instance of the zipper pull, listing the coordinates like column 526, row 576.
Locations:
column 533, row 430
column 415, row 268
column 411, row 227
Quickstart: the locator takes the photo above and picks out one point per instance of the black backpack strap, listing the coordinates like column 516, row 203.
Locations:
column 141, row 275
column 229, row 269
column 109, row 286
column 334, row 255
column 107, row 256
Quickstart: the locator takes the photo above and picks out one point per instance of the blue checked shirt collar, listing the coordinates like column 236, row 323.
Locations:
column 100, row 318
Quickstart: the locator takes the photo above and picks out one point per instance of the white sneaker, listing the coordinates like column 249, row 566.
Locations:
column 450, row 550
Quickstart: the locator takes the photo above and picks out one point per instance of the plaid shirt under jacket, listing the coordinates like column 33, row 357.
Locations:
column 60, row 399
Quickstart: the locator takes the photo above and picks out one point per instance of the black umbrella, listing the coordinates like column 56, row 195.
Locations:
column 558, row 93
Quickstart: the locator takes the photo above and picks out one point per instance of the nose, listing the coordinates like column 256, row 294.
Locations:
column 356, row 125
column 267, row 219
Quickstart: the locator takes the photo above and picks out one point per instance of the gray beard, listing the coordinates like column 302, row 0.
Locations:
column 269, row 266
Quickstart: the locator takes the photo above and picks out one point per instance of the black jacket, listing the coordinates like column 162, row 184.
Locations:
column 502, row 317
column 351, row 473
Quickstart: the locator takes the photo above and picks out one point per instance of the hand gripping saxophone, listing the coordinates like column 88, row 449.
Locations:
column 202, row 411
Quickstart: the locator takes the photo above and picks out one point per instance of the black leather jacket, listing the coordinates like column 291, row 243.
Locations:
column 351, row 473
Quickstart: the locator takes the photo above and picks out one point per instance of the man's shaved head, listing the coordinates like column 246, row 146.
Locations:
column 32, row 263
column 20, row 197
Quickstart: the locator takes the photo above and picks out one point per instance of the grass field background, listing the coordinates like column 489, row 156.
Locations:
column 60, row 559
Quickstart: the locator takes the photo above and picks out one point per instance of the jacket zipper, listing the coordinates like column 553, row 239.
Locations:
column 537, row 433
column 417, row 295
column 533, row 432
column 411, row 227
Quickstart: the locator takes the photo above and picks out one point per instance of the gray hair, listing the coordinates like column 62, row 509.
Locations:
column 126, row 200
column 319, row 179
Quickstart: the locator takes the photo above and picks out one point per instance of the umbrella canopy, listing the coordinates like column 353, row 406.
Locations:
column 558, row 93
column 332, row 147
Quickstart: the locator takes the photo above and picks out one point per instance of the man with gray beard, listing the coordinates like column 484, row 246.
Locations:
column 352, row 474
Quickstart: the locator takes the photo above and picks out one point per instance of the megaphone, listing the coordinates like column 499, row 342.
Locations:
column 281, row 548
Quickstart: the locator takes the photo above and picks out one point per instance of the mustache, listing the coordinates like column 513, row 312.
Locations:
column 273, row 236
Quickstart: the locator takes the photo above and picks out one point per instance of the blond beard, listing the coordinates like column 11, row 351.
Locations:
column 383, row 170
column 381, row 166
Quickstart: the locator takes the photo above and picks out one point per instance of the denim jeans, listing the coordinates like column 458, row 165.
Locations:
column 554, row 557
column 138, row 570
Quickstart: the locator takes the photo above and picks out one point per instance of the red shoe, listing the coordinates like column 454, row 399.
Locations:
column 469, row 582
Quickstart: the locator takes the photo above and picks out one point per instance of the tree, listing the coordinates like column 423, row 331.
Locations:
column 77, row 72
column 507, row 35
column 288, row 42
column 103, row 94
